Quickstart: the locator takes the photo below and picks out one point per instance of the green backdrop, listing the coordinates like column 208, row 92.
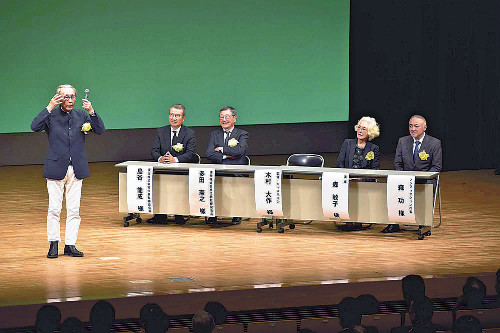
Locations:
column 275, row 61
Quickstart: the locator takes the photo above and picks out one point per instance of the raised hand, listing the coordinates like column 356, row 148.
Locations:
column 55, row 101
column 88, row 106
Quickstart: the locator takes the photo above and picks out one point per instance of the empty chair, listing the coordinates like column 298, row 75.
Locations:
column 310, row 160
column 307, row 160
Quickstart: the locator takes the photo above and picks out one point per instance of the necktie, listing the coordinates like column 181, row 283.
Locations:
column 226, row 139
column 174, row 137
column 415, row 152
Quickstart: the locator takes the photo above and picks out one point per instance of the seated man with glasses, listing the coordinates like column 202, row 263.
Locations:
column 227, row 145
column 174, row 143
column 66, row 162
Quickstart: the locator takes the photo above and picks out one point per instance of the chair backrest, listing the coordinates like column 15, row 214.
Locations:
column 321, row 325
column 280, row 326
column 383, row 322
column 311, row 160
column 230, row 328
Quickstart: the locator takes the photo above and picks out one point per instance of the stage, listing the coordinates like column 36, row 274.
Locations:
column 196, row 262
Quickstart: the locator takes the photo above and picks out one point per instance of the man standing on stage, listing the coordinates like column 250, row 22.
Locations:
column 227, row 145
column 66, row 162
column 174, row 143
column 417, row 152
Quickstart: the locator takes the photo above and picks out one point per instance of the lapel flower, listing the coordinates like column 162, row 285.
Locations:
column 370, row 156
column 233, row 142
column 423, row 155
column 178, row 147
column 86, row 128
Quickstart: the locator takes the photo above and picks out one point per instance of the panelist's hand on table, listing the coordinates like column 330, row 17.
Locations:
column 167, row 158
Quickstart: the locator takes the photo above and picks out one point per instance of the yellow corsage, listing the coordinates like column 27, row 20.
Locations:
column 370, row 156
column 423, row 155
column 86, row 128
column 178, row 147
column 233, row 142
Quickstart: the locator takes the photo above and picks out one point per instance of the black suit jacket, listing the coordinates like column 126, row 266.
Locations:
column 66, row 140
column 238, row 152
column 185, row 136
column 404, row 155
column 346, row 155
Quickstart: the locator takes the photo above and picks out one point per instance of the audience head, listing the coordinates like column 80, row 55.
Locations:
column 203, row 322
column 421, row 311
column 72, row 325
column 368, row 304
column 413, row 288
column 367, row 128
column 467, row 324
column 218, row 312
column 349, row 312
column 48, row 318
column 474, row 291
column 102, row 316
column 153, row 319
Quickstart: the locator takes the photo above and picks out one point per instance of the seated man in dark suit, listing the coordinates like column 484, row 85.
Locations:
column 227, row 145
column 174, row 143
column 417, row 152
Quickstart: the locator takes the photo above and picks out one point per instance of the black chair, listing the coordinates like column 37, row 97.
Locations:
column 308, row 160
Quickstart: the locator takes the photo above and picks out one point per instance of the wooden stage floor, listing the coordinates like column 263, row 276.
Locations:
column 155, row 260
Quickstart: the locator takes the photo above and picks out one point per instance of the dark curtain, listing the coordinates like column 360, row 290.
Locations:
column 437, row 58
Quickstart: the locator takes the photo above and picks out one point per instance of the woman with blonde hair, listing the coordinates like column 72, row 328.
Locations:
column 360, row 153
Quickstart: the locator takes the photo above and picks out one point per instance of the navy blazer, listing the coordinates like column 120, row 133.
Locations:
column 66, row 140
column 239, row 151
column 403, row 159
column 162, row 144
column 346, row 155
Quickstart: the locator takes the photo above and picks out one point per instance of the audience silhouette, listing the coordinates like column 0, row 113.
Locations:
column 153, row 319
column 467, row 324
column 48, row 319
column 203, row 322
column 218, row 312
column 72, row 325
column 350, row 313
column 102, row 316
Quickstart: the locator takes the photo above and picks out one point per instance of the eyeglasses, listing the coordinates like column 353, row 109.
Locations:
column 175, row 115
column 227, row 116
column 363, row 129
column 69, row 97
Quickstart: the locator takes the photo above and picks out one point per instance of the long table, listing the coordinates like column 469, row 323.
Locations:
column 301, row 192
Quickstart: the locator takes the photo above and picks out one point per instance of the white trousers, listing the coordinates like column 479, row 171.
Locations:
column 73, row 195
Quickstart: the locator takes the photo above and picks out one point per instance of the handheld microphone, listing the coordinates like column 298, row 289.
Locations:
column 87, row 92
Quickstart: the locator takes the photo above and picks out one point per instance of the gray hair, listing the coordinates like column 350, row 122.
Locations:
column 419, row 117
column 230, row 108
column 58, row 90
column 373, row 127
